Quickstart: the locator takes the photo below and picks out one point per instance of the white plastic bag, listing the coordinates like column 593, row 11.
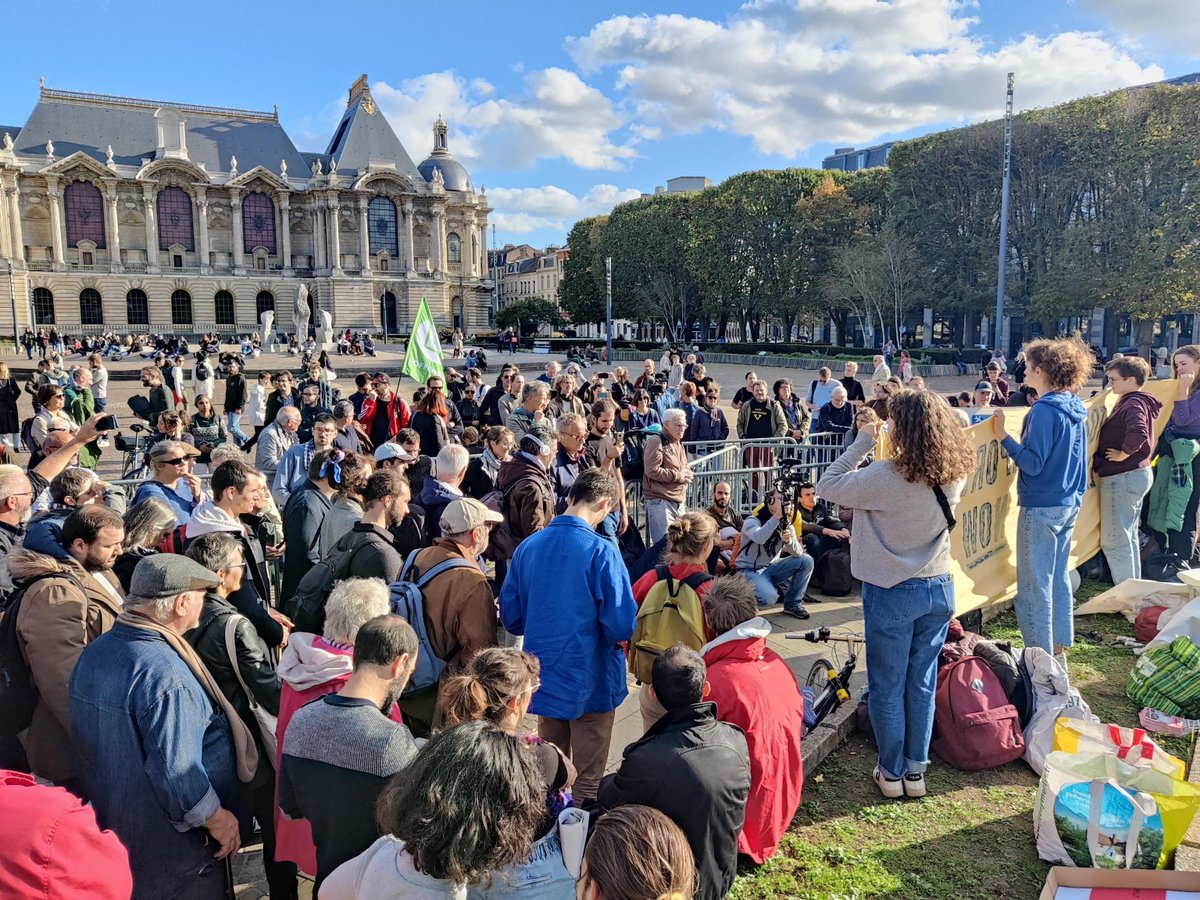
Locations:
column 1054, row 699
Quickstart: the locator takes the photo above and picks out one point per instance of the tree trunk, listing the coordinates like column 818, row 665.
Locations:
column 1143, row 337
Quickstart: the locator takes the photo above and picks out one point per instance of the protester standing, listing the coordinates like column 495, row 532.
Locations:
column 1184, row 425
column 903, row 513
column 1052, row 460
column 667, row 474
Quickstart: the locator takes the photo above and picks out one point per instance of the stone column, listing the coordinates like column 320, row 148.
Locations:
column 364, row 239
column 239, row 246
column 148, row 214
column 481, row 230
column 439, row 240
column 56, row 221
column 409, row 264
column 113, row 228
column 335, row 237
column 13, row 192
column 201, row 205
column 318, row 236
column 5, row 223
column 285, row 213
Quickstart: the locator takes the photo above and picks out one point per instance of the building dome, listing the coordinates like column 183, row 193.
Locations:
column 454, row 174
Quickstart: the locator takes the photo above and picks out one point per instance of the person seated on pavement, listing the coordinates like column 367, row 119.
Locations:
column 690, row 766
column 755, row 690
column 771, row 556
column 820, row 531
column 729, row 523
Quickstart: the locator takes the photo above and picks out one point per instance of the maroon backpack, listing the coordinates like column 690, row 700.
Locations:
column 977, row 726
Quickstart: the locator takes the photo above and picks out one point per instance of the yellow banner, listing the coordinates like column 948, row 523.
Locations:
column 984, row 564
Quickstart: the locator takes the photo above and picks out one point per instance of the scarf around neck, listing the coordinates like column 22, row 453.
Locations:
column 243, row 741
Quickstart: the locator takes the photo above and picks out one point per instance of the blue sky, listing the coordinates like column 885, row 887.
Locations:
column 562, row 109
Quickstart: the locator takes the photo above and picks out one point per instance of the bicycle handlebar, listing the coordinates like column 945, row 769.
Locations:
column 822, row 635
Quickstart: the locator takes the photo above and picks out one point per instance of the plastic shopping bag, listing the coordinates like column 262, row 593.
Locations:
column 1133, row 745
column 1095, row 810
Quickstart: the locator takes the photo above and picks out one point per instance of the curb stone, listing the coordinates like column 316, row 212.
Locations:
column 831, row 733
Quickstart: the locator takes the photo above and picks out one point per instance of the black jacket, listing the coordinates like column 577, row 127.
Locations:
column 374, row 553
column 696, row 771
column 255, row 663
column 235, row 392
column 302, row 517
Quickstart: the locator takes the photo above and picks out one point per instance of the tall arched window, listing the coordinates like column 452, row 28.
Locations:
column 258, row 222
column 91, row 308
column 43, row 307
column 85, row 214
column 388, row 319
column 453, row 248
column 175, row 219
column 223, row 301
column 137, row 309
column 264, row 302
column 381, row 216
column 181, row 308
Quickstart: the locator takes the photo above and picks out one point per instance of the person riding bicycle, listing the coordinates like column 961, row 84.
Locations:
column 755, row 690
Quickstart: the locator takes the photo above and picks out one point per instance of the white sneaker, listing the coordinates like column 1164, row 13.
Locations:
column 914, row 785
column 889, row 787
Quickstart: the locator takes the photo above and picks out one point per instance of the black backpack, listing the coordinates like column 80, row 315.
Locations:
column 18, row 695
column 306, row 608
column 203, row 372
column 833, row 571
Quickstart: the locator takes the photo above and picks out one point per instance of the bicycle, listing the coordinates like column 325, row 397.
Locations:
column 832, row 683
column 136, row 461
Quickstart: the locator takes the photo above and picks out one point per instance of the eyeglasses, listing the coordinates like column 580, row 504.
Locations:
column 172, row 462
column 531, row 689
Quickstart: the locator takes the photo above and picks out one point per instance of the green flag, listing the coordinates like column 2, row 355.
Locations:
column 423, row 356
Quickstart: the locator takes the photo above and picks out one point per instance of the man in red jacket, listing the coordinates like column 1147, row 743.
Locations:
column 756, row 691
column 383, row 413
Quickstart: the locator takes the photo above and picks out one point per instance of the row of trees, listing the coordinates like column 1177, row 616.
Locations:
column 1103, row 213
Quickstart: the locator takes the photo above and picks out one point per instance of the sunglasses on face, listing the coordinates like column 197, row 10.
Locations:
column 173, row 462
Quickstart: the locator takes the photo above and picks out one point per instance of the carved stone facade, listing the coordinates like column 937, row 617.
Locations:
column 223, row 218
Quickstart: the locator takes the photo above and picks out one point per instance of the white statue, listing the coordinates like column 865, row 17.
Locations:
column 325, row 330
column 50, row 149
column 316, row 167
column 8, row 144
column 438, row 178
column 333, row 167
column 267, row 321
column 108, row 155
column 232, row 166
column 283, row 169
column 301, row 313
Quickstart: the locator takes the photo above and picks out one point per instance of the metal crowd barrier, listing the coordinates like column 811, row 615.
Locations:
column 750, row 467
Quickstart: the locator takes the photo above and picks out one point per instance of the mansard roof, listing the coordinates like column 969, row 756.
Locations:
column 91, row 123
column 364, row 136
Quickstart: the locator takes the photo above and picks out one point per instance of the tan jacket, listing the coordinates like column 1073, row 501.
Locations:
column 665, row 463
column 55, row 622
column 460, row 611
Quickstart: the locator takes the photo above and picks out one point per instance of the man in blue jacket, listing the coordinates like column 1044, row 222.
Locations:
column 574, row 625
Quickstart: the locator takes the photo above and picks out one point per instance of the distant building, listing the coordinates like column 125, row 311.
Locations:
column 682, row 185
column 847, row 159
column 139, row 215
column 526, row 272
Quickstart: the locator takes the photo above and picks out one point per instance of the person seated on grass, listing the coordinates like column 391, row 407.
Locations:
column 755, row 690
column 691, row 767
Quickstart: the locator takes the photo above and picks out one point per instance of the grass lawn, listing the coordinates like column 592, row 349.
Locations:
column 971, row 838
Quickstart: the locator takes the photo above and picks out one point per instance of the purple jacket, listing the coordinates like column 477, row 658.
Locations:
column 1129, row 427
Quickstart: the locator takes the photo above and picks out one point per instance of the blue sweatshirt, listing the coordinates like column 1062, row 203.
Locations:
column 1052, row 455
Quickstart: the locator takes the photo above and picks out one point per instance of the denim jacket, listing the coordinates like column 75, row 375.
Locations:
column 156, row 756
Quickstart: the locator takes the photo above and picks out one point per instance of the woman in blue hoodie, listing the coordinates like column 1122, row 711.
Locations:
column 1052, row 460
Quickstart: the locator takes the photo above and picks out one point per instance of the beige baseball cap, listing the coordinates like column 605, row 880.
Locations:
column 467, row 513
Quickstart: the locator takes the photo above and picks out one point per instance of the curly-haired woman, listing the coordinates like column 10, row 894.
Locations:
column 1052, row 460
column 903, row 512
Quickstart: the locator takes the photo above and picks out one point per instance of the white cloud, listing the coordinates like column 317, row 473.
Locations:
column 1174, row 24
column 790, row 75
column 558, row 116
column 522, row 210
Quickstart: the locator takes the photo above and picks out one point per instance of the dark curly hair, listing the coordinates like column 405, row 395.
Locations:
column 928, row 442
column 468, row 804
column 1066, row 363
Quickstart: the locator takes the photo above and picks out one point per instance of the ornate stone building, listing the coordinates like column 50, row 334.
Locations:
column 135, row 215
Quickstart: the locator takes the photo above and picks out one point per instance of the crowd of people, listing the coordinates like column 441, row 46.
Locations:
column 344, row 633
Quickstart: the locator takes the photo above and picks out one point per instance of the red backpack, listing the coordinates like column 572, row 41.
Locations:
column 976, row 725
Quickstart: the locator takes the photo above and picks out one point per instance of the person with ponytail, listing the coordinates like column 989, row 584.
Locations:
column 637, row 853
column 496, row 686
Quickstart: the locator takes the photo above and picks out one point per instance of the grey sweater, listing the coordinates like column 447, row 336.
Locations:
column 899, row 529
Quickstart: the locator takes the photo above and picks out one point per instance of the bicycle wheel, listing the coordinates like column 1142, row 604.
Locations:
column 818, row 675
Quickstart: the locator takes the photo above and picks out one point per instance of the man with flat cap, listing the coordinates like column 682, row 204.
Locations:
column 162, row 754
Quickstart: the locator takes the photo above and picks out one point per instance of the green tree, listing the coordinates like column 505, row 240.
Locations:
column 581, row 291
column 528, row 315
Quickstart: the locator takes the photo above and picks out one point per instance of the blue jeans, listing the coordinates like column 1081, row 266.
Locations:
column 1044, row 602
column 1120, row 509
column 905, row 629
column 769, row 581
column 962, row 368
column 233, row 424
column 101, row 404
column 542, row 877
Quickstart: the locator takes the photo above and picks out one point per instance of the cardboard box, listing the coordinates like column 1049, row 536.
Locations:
column 1123, row 880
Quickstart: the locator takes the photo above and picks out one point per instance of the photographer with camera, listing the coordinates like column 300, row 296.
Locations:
column 772, row 556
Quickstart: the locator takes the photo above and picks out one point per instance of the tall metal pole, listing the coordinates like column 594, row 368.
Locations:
column 12, row 296
column 1008, row 117
column 495, row 273
column 608, row 306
